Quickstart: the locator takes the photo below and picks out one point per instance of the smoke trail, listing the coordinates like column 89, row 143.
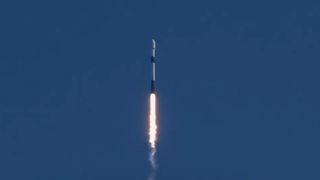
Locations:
column 152, row 158
column 152, row 135
column 153, row 163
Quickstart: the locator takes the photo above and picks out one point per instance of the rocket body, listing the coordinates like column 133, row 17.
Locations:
column 153, row 66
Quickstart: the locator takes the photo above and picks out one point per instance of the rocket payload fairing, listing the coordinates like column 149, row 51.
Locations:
column 153, row 64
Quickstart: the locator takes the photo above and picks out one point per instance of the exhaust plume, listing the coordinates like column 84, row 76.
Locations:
column 152, row 135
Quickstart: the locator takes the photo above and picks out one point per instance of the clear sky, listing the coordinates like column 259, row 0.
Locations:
column 238, row 89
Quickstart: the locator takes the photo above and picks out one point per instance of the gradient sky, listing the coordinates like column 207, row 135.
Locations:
column 238, row 88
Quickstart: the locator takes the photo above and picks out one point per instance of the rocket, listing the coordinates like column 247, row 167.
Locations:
column 153, row 66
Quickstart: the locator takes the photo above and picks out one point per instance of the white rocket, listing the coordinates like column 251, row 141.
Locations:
column 153, row 64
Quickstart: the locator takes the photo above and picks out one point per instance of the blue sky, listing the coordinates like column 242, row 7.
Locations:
column 237, row 86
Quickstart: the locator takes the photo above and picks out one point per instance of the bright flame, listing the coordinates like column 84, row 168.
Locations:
column 152, row 122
